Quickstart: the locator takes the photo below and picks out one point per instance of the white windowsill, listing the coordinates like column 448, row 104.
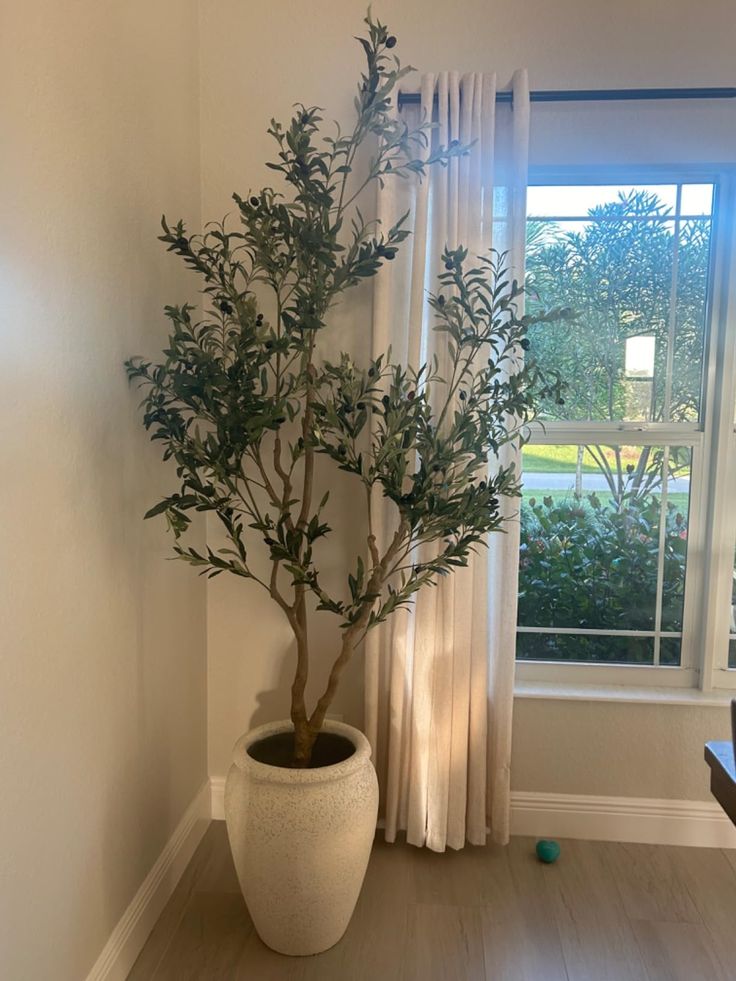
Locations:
column 621, row 693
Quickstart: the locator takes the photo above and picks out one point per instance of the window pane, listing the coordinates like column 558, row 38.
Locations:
column 578, row 199
column 637, row 278
column 670, row 651
column 576, row 647
column 594, row 555
column 697, row 199
column 678, row 466
column 693, row 261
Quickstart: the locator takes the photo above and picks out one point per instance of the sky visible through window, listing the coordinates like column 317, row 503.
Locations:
column 574, row 201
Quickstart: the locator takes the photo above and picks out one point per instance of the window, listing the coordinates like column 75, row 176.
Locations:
column 624, row 509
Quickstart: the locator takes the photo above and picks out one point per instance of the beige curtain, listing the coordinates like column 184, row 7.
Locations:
column 439, row 678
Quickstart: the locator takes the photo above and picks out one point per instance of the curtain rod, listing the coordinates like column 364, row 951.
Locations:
column 598, row 95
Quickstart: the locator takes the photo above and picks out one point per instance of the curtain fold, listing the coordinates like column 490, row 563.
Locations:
column 439, row 677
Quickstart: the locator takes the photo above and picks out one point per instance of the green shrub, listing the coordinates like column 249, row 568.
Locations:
column 586, row 563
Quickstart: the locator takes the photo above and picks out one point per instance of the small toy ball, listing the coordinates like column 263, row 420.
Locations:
column 548, row 851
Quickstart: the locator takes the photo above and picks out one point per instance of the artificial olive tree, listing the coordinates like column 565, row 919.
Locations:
column 245, row 404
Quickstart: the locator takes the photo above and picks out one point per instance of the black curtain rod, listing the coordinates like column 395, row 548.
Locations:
column 597, row 95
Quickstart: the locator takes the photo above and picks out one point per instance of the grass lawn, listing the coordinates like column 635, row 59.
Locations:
column 541, row 458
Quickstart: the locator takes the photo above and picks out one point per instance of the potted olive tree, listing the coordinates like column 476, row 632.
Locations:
column 247, row 403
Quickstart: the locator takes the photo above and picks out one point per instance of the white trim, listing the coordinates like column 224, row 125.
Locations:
column 556, row 432
column 603, row 673
column 635, row 819
column 217, row 797
column 638, row 694
column 721, row 388
column 127, row 939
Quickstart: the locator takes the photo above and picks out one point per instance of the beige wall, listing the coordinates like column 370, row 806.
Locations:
column 102, row 654
column 614, row 749
column 260, row 57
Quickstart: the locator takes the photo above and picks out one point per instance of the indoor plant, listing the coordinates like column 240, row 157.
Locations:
column 246, row 405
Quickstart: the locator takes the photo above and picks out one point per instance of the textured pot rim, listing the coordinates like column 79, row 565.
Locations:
column 267, row 773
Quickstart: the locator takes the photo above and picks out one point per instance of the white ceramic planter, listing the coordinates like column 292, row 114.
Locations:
column 301, row 840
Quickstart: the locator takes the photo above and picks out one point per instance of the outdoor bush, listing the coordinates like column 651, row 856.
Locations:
column 589, row 563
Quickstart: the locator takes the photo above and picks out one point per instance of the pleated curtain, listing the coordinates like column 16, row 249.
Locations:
column 439, row 677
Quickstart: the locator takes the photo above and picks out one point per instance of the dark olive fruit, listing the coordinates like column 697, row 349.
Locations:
column 341, row 450
column 225, row 307
column 463, row 396
column 449, row 265
column 391, row 41
column 560, row 401
column 525, row 343
column 411, row 396
column 182, row 243
column 441, row 300
column 254, row 201
column 360, row 405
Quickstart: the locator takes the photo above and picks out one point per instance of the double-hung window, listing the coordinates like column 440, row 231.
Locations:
column 628, row 517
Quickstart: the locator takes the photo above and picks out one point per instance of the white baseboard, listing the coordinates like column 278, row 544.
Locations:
column 127, row 939
column 217, row 787
column 635, row 819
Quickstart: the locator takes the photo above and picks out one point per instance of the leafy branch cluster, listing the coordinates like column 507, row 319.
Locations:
column 244, row 402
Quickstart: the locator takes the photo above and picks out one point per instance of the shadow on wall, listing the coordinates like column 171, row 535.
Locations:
column 274, row 703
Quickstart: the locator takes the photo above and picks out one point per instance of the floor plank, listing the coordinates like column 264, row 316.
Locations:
column 472, row 876
column 209, row 941
column 711, row 882
column 521, row 941
column 444, row 943
column 678, row 952
column 598, row 942
column 603, row 911
column 168, row 923
column 218, row 872
column 650, row 883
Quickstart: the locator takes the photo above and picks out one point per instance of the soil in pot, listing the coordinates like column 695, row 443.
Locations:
column 278, row 750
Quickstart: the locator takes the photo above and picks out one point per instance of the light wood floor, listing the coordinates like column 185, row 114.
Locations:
column 604, row 911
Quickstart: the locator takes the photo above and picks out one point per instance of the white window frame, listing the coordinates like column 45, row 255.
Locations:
column 712, row 522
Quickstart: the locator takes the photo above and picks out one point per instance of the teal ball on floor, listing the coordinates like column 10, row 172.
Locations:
column 548, row 851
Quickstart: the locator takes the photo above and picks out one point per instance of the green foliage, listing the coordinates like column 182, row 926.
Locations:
column 616, row 273
column 245, row 400
column 587, row 564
